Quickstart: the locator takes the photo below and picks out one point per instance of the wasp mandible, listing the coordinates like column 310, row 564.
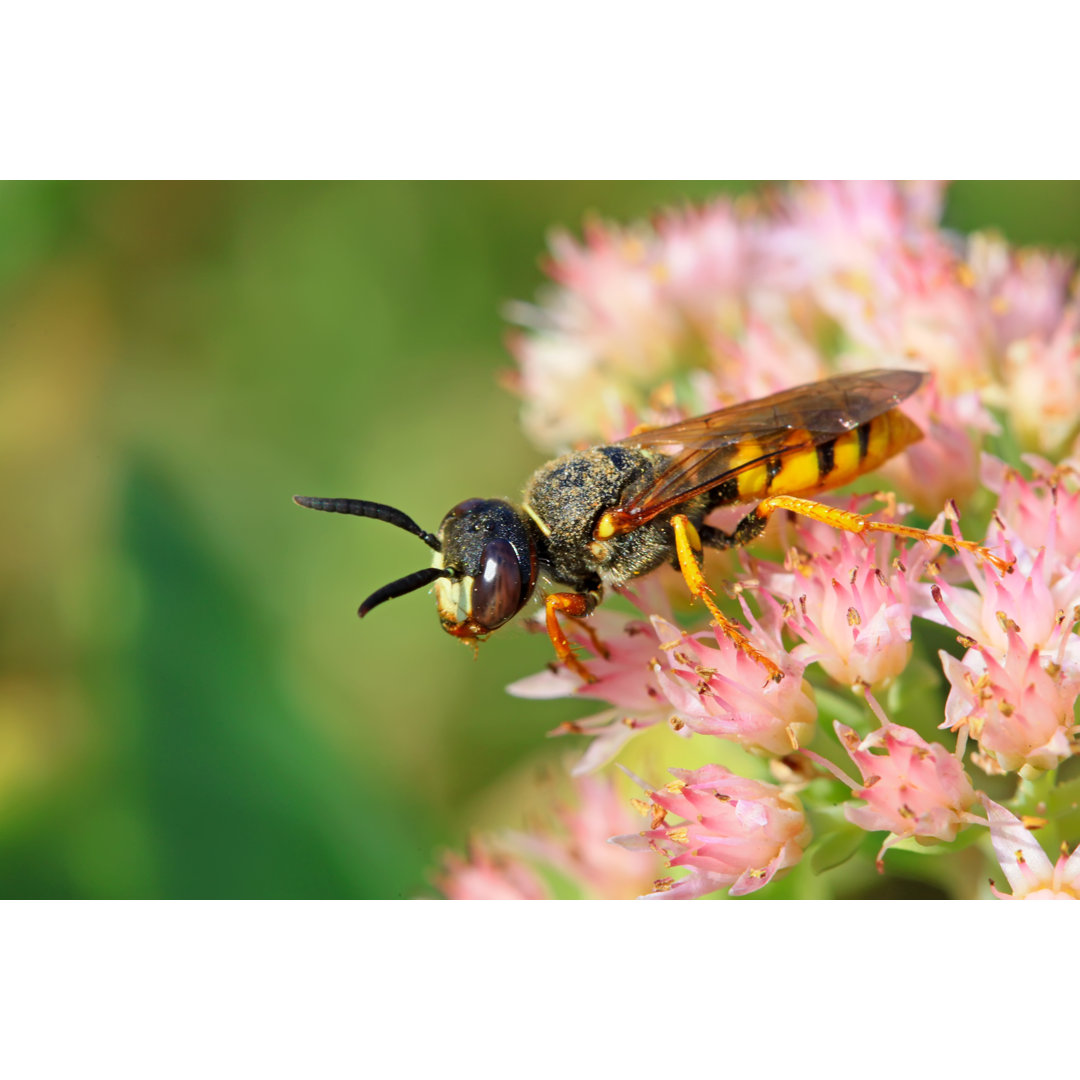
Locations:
column 598, row 518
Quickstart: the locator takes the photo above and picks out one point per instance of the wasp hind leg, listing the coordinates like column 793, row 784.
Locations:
column 860, row 524
column 688, row 543
column 577, row 606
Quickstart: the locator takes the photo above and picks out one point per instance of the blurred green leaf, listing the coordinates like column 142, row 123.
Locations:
column 243, row 798
column 836, row 848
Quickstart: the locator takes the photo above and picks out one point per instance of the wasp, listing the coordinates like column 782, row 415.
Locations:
column 596, row 519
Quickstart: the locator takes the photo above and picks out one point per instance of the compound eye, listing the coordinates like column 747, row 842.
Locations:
column 496, row 593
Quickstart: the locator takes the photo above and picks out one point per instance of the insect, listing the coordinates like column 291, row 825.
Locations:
column 598, row 518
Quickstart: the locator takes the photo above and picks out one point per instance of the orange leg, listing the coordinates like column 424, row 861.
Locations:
column 576, row 605
column 687, row 545
column 598, row 646
column 859, row 524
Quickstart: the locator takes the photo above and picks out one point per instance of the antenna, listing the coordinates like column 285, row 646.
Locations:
column 404, row 585
column 370, row 510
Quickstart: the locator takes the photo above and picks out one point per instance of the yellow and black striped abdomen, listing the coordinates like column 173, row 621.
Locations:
column 829, row 464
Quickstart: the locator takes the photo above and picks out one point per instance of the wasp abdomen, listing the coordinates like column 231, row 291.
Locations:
column 813, row 468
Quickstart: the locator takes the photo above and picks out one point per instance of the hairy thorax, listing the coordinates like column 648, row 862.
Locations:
column 566, row 498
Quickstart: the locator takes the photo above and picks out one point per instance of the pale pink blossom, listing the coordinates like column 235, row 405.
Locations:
column 488, row 874
column 944, row 464
column 612, row 295
column 737, row 293
column 1029, row 602
column 569, row 843
column 1021, row 293
column 1041, row 385
column 1027, row 867
column 578, row 844
column 604, row 337
column 1014, row 691
column 831, row 232
column 911, row 788
column 624, row 661
column 875, row 262
column 707, row 260
column 767, row 356
column 1043, row 511
column 1019, row 706
column 651, row 672
column 734, row 832
column 717, row 689
column 853, row 617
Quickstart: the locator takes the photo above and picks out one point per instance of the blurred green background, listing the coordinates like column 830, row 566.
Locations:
column 189, row 706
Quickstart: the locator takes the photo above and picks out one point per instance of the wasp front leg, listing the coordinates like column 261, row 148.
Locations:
column 687, row 546
column 577, row 606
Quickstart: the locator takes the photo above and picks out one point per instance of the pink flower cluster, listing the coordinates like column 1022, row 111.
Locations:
column 734, row 833
column 574, row 847
column 733, row 300
column 1015, row 689
column 912, row 788
column 700, row 308
column 849, row 602
column 651, row 671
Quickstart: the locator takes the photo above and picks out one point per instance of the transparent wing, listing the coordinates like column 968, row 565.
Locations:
column 709, row 450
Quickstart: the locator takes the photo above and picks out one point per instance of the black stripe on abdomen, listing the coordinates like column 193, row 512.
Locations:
column 864, row 440
column 826, row 459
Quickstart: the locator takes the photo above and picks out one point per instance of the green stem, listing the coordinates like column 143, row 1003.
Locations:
column 1031, row 795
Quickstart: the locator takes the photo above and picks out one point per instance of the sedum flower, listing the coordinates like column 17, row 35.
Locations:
column 1032, row 602
column 853, row 617
column 911, row 788
column 734, row 833
column 723, row 692
column 1021, row 293
column 1016, row 686
column 1019, row 707
column 1028, row 869
column 572, row 842
column 704, row 307
column 944, row 465
column 1043, row 511
column 604, row 337
column 578, row 844
column 625, row 663
column 1042, row 385
column 488, row 874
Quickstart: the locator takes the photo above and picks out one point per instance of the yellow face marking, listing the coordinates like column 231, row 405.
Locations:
column 453, row 598
column 754, row 482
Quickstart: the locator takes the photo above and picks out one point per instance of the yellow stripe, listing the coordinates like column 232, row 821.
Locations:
column 902, row 431
column 754, row 482
column 846, row 458
column 879, row 444
column 800, row 472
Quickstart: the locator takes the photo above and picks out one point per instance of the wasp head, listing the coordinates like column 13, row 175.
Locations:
column 484, row 568
column 488, row 551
